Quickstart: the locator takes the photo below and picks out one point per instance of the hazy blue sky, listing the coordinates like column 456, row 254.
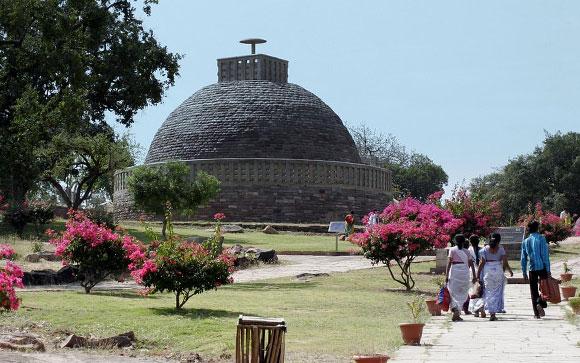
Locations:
column 469, row 83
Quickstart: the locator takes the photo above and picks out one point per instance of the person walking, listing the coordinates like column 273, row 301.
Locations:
column 493, row 263
column 535, row 258
column 457, row 275
column 475, row 304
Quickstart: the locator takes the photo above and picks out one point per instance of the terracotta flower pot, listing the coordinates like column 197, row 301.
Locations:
column 566, row 277
column 434, row 308
column 375, row 358
column 568, row 292
column 411, row 333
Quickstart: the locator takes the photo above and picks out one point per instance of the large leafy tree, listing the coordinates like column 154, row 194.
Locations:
column 419, row 177
column 82, row 164
column 155, row 187
column 550, row 175
column 66, row 66
column 413, row 174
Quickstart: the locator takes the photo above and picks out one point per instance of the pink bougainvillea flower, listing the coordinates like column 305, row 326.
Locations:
column 219, row 216
column 6, row 251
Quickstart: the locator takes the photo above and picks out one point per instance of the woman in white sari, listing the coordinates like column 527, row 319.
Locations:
column 493, row 263
column 457, row 275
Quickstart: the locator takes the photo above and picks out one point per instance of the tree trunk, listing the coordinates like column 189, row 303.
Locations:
column 164, row 229
column 177, row 305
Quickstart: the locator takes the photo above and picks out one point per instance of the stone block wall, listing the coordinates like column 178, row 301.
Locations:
column 281, row 190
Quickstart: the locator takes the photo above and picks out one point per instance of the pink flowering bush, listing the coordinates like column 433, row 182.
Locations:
column 184, row 268
column 479, row 217
column 551, row 226
column 94, row 249
column 404, row 231
column 10, row 278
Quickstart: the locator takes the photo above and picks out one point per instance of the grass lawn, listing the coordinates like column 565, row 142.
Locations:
column 283, row 242
column 340, row 315
column 565, row 252
column 293, row 242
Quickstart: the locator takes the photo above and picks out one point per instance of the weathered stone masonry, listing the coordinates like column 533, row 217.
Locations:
column 281, row 190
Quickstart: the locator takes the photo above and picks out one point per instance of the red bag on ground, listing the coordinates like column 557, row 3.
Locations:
column 444, row 298
column 550, row 290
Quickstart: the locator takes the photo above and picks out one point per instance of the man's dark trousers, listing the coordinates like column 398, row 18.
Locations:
column 534, row 279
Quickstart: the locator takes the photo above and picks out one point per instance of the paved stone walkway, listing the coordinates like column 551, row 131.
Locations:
column 515, row 337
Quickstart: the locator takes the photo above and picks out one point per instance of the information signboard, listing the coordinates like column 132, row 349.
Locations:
column 511, row 235
column 336, row 227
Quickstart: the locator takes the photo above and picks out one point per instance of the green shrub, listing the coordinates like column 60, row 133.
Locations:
column 102, row 217
column 17, row 216
column 574, row 302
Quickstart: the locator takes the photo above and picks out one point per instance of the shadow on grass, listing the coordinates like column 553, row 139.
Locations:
column 142, row 236
column 274, row 286
column 411, row 292
column 31, row 232
column 196, row 313
column 125, row 294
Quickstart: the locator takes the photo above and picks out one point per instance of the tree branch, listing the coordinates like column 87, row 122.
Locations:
column 60, row 190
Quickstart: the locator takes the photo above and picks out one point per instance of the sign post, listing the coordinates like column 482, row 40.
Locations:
column 338, row 228
column 511, row 240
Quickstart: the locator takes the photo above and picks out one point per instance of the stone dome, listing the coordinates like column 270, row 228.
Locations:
column 253, row 119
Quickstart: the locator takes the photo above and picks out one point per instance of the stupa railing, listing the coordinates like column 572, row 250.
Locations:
column 319, row 173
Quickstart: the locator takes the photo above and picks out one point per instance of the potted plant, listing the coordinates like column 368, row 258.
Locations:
column 568, row 290
column 432, row 303
column 412, row 332
column 574, row 303
column 567, row 275
column 375, row 358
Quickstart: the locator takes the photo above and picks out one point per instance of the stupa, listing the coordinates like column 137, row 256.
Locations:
column 280, row 152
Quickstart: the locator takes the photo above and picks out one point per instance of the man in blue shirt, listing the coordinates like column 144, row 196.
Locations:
column 536, row 260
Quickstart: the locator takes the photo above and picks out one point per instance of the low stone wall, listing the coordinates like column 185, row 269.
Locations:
column 280, row 190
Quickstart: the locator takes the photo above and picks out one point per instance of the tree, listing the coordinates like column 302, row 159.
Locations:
column 81, row 164
column 419, row 177
column 405, row 230
column 376, row 148
column 413, row 174
column 550, row 175
column 153, row 187
column 64, row 66
column 479, row 217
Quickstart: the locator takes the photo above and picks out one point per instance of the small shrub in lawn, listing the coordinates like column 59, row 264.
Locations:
column 94, row 249
column 17, row 216
column 183, row 268
column 41, row 214
column 37, row 246
column 10, row 278
column 20, row 215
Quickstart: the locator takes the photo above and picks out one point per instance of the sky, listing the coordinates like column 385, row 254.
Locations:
column 471, row 84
